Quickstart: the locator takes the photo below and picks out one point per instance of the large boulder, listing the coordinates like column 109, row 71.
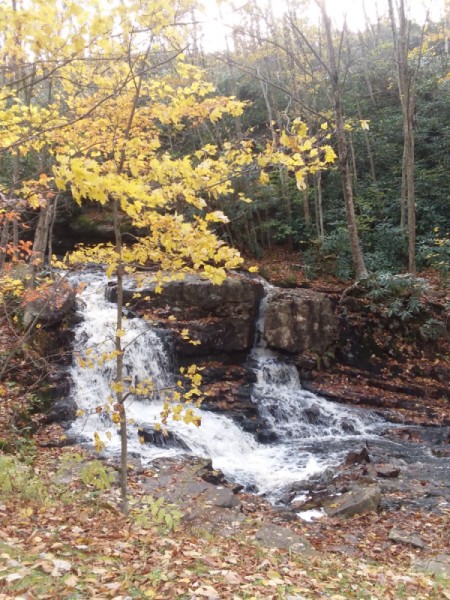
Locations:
column 300, row 321
column 359, row 501
column 221, row 317
column 162, row 439
column 52, row 305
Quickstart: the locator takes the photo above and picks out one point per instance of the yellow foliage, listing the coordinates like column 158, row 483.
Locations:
column 105, row 129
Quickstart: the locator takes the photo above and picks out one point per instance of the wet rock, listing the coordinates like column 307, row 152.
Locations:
column 63, row 442
column 441, row 452
column 206, row 471
column 305, row 363
column 275, row 536
column 59, row 382
column 162, row 439
column 405, row 537
column 222, row 497
column 358, row 501
column 387, row 471
column 300, row 320
column 62, row 411
column 221, row 317
column 312, row 414
column 436, row 435
column 266, row 437
column 357, row 458
column 216, row 335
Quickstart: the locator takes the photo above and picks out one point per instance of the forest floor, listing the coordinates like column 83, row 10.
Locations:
column 63, row 537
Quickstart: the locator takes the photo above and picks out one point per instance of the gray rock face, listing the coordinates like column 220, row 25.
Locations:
column 62, row 411
column 300, row 320
column 53, row 306
column 359, row 501
column 387, row 471
column 221, row 317
column 405, row 537
column 161, row 438
column 204, row 505
column 437, row 565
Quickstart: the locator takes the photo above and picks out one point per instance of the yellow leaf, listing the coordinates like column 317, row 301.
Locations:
column 264, row 178
column 300, row 179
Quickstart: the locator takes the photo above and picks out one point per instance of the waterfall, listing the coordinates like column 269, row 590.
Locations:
column 292, row 413
column 311, row 433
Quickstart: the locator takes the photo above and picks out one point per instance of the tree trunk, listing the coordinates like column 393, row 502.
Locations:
column 50, row 231
column 319, row 207
column 406, row 80
column 4, row 238
column 38, row 254
column 403, row 193
column 306, row 211
column 409, row 139
column 119, row 364
column 343, row 153
column 353, row 155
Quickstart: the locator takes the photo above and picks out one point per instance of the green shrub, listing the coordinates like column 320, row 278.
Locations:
column 402, row 298
column 150, row 513
column 16, row 478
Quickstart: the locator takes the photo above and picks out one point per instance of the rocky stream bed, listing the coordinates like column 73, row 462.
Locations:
column 402, row 471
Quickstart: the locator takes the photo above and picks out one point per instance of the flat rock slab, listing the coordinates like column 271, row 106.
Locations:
column 404, row 537
column 359, row 501
column 437, row 565
column 203, row 504
column 199, row 492
column 275, row 536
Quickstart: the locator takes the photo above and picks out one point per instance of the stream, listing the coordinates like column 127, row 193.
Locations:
column 310, row 433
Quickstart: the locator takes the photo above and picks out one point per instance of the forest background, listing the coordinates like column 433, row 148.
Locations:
column 378, row 96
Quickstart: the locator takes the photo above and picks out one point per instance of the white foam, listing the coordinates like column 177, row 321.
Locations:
column 297, row 417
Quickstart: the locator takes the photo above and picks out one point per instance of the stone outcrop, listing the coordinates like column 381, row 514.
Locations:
column 62, row 411
column 436, row 565
column 221, row 317
column 52, row 306
column 300, row 321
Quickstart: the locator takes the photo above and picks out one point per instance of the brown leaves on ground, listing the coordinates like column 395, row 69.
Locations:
column 74, row 543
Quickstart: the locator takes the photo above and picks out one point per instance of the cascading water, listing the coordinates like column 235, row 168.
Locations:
column 290, row 412
column 308, row 429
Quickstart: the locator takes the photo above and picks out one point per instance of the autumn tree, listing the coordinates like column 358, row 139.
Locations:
column 119, row 96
